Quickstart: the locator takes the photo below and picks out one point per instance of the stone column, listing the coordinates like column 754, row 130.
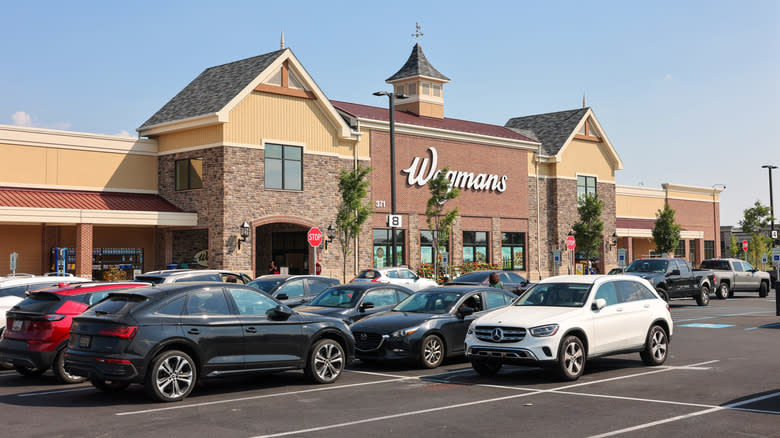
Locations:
column 84, row 250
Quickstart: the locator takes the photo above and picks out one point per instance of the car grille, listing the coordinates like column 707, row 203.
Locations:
column 499, row 334
column 367, row 341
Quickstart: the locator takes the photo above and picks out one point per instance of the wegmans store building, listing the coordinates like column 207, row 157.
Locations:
column 256, row 140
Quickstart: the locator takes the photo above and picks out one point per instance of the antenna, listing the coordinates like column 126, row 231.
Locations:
column 417, row 34
column 583, row 100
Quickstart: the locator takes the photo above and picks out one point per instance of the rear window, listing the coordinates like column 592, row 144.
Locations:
column 15, row 291
column 117, row 304
column 720, row 265
column 369, row 273
column 149, row 279
column 266, row 285
column 39, row 303
column 476, row 277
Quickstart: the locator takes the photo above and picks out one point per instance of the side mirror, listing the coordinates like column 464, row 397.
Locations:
column 675, row 272
column 598, row 304
column 366, row 305
column 282, row 297
column 465, row 311
column 278, row 313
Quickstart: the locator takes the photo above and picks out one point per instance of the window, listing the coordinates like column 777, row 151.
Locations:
column 513, row 251
column 426, row 89
column 679, row 252
column 586, row 185
column 747, row 266
column 399, row 89
column 684, row 269
column 407, row 274
column 283, row 167
column 210, row 302
column 426, row 247
column 189, row 174
column 496, row 300
column 437, row 90
column 709, row 249
column 381, row 297
column 172, row 308
column 692, row 251
column 737, row 267
column 411, row 89
column 383, row 242
column 393, row 274
column 293, row 289
column 250, row 302
column 632, row 291
column 514, row 278
column 475, row 246
column 317, row 286
column 608, row 292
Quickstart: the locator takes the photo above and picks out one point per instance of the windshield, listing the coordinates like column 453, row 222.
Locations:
column 476, row 277
column 369, row 273
column 555, row 295
column 647, row 265
column 428, row 302
column 266, row 285
column 337, row 297
column 721, row 265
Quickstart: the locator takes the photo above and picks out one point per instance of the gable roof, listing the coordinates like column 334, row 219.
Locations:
column 212, row 89
column 552, row 129
column 383, row 115
column 417, row 65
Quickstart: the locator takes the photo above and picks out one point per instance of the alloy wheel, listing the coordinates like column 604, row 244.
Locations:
column 573, row 358
column 658, row 345
column 328, row 361
column 174, row 376
column 432, row 351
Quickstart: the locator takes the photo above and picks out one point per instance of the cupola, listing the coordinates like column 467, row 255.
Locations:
column 422, row 84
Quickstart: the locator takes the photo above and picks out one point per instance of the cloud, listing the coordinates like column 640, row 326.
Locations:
column 125, row 133
column 21, row 118
column 668, row 77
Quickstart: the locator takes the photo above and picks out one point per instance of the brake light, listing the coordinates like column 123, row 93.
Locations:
column 375, row 280
column 105, row 360
column 353, row 280
column 122, row 331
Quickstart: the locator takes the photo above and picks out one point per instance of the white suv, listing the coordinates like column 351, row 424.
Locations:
column 563, row 321
column 13, row 289
column 400, row 276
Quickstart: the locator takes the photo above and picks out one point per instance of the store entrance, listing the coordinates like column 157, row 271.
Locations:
column 286, row 245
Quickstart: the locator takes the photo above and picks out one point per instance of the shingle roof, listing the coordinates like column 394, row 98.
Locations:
column 417, row 65
column 552, row 129
column 382, row 114
column 46, row 198
column 212, row 89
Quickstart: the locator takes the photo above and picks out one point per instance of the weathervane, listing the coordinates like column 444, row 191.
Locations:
column 417, row 34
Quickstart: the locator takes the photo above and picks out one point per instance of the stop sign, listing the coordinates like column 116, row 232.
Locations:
column 744, row 245
column 314, row 236
column 570, row 243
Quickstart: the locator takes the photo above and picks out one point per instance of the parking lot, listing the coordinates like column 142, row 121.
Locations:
column 722, row 378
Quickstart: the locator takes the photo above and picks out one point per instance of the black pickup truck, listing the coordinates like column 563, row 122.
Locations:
column 674, row 278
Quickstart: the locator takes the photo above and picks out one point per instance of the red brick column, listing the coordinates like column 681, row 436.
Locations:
column 629, row 250
column 84, row 250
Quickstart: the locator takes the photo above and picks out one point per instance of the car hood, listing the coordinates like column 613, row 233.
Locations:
column 529, row 316
column 389, row 321
column 326, row 311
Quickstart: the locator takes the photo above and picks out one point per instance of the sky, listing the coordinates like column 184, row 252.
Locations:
column 688, row 92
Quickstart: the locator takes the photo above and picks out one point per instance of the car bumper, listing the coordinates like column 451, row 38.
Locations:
column 103, row 367
column 391, row 349
column 18, row 352
column 529, row 351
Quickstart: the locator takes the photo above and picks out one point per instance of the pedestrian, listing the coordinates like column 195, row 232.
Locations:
column 590, row 268
column 272, row 268
column 495, row 281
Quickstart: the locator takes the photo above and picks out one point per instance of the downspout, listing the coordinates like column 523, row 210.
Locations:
column 356, row 260
column 538, row 218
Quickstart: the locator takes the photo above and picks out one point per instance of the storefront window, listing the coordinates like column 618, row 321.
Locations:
column 709, row 249
column 679, row 252
column 426, row 247
column 189, row 174
column 692, row 251
column 475, row 247
column 283, row 167
column 383, row 243
column 586, row 185
column 513, row 251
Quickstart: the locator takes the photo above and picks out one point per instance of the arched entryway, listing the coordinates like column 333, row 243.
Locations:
column 283, row 240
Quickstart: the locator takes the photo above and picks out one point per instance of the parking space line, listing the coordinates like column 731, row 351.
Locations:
column 677, row 321
column 764, row 326
column 257, row 397
column 33, row 394
column 376, row 374
column 682, row 417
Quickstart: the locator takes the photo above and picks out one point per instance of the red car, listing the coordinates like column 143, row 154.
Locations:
column 38, row 328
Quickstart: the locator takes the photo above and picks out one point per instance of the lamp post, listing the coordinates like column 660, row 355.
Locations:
column 769, row 167
column 716, row 221
column 391, row 97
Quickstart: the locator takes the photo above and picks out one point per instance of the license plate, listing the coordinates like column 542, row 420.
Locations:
column 17, row 325
column 84, row 341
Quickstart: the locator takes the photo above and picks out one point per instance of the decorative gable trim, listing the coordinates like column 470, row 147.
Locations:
column 601, row 137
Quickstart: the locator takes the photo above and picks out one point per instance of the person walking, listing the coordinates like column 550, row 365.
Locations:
column 495, row 281
column 272, row 268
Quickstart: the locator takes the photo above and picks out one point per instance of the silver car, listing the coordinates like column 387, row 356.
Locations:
column 400, row 276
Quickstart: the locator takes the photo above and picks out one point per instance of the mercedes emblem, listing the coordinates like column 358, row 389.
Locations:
column 497, row 334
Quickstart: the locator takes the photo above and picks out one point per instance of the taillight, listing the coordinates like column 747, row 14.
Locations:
column 353, row 280
column 54, row 317
column 375, row 280
column 106, row 360
column 668, row 308
column 120, row 331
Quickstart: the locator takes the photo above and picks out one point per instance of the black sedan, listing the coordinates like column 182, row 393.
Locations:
column 427, row 326
column 352, row 302
column 293, row 290
column 512, row 282
column 169, row 337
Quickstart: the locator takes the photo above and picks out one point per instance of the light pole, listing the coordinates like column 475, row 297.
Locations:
column 391, row 97
column 769, row 167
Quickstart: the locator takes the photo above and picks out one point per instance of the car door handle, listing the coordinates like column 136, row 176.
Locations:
column 193, row 331
column 251, row 330
column 619, row 309
column 647, row 306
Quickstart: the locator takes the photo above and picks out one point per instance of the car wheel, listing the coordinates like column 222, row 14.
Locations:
column 431, row 351
column 109, row 385
column 704, row 295
column 723, row 291
column 326, row 361
column 29, row 371
column 656, row 346
column 571, row 358
column 171, row 377
column 662, row 292
column 61, row 374
column 763, row 290
column 485, row 368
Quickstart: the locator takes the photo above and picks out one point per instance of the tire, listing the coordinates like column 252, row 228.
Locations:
column 662, row 292
column 484, row 368
column 723, row 291
column 656, row 346
column 109, row 385
column 28, row 371
column 171, row 377
column 326, row 361
column 703, row 298
column 431, row 351
column 571, row 358
column 763, row 290
column 61, row 374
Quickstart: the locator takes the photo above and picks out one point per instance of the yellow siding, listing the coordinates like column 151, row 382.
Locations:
column 674, row 194
column 637, row 206
column 77, row 168
column 190, row 138
column 363, row 149
column 284, row 118
column 585, row 157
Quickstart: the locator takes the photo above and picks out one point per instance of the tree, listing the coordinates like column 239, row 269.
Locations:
column 590, row 226
column 439, row 220
column 759, row 244
column 755, row 218
column 353, row 209
column 734, row 248
column 666, row 232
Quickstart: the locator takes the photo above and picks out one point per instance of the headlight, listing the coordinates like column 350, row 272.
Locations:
column 404, row 332
column 470, row 331
column 544, row 330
